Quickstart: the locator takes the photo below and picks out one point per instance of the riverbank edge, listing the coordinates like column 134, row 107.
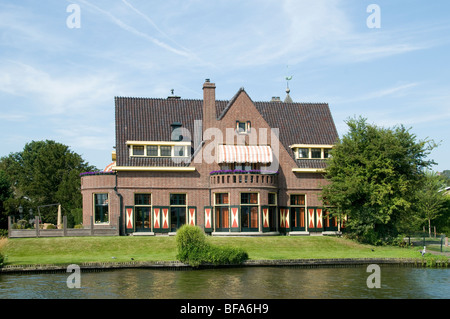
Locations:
column 177, row 265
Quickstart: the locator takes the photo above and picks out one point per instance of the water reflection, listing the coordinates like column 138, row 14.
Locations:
column 232, row 283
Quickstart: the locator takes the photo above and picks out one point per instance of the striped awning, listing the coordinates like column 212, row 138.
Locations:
column 109, row 167
column 244, row 154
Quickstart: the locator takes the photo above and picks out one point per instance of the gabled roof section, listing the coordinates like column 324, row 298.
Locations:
column 149, row 119
column 146, row 119
column 229, row 104
column 300, row 123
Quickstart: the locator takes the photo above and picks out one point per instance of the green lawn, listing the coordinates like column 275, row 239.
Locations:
column 158, row 248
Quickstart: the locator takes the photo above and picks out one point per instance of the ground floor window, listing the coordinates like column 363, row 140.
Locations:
column 142, row 208
column 222, row 218
column 222, row 211
column 330, row 221
column 249, row 211
column 178, row 209
column 272, row 200
column 297, row 213
column 101, row 208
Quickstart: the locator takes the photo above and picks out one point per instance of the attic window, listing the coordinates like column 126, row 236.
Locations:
column 159, row 149
column 243, row 127
column 166, row 150
column 176, row 131
column 316, row 153
column 152, row 150
column 138, row 150
column 312, row 152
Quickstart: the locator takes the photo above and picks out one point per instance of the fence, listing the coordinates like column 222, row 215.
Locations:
column 437, row 243
column 63, row 232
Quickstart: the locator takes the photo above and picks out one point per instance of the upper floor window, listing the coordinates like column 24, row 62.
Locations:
column 316, row 153
column 312, row 152
column 138, row 150
column 152, row 150
column 165, row 149
column 243, row 127
column 179, row 150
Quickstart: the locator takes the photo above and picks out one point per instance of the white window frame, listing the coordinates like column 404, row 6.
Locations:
column 173, row 145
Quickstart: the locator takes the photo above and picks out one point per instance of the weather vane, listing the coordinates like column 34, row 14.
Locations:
column 288, row 78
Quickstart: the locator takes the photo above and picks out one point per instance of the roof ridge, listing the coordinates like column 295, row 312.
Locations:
column 282, row 102
column 154, row 98
column 230, row 102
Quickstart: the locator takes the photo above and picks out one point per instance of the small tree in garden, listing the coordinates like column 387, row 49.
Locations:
column 431, row 198
column 194, row 249
column 374, row 174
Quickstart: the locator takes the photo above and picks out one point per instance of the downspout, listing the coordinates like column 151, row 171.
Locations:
column 121, row 230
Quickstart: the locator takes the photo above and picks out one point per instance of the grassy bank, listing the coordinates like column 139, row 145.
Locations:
column 64, row 250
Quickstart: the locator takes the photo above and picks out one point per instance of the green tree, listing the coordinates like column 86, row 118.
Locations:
column 45, row 172
column 442, row 222
column 5, row 195
column 374, row 173
column 446, row 175
column 430, row 198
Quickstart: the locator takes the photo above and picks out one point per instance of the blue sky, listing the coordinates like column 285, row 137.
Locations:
column 59, row 83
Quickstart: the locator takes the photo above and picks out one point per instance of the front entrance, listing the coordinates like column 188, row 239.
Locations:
column 143, row 222
column 297, row 218
column 249, row 218
column 177, row 218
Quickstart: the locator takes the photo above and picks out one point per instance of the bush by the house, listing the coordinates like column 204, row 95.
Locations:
column 21, row 224
column 3, row 243
column 194, row 249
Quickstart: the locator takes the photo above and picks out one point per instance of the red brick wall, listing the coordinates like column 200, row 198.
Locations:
column 197, row 184
column 96, row 184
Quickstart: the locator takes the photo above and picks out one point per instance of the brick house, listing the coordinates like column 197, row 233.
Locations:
column 234, row 167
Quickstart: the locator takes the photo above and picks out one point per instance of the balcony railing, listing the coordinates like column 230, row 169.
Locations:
column 243, row 178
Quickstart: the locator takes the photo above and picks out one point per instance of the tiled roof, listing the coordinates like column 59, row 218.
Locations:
column 311, row 163
column 300, row 123
column 147, row 119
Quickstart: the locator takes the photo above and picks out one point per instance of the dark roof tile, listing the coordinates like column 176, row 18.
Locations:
column 147, row 119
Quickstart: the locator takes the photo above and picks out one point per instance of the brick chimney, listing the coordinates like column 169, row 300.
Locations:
column 209, row 105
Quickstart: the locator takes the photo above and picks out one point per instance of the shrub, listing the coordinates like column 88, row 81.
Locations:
column 191, row 245
column 3, row 243
column 51, row 226
column 78, row 227
column 225, row 255
column 21, row 224
column 194, row 250
column 76, row 216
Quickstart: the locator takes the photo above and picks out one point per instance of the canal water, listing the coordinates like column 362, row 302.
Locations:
column 233, row 283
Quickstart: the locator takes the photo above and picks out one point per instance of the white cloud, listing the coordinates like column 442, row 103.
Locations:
column 55, row 94
column 136, row 32
column 395, row 90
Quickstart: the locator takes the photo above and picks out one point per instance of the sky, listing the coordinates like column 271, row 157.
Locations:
column 63, row 62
